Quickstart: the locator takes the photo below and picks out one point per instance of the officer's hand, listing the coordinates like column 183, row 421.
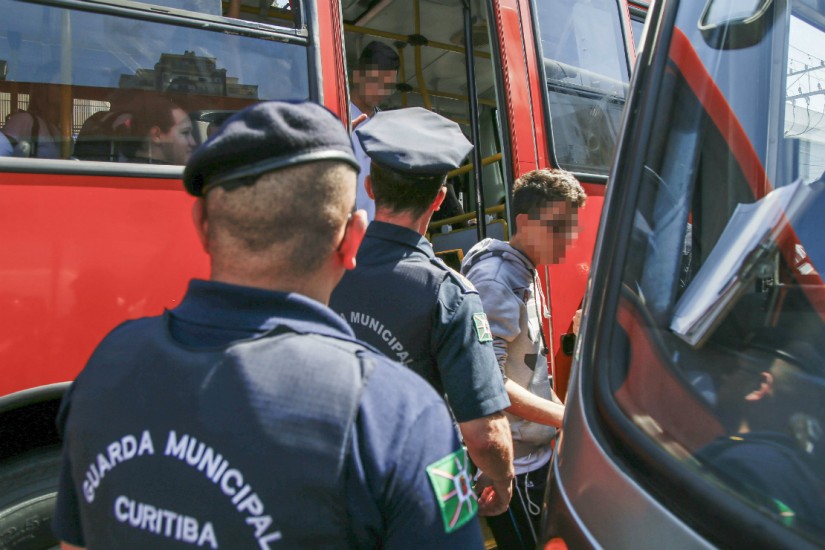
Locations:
column 494, row 498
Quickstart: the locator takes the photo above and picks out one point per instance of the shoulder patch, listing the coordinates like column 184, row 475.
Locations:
column 453, row 490
column 482, row 327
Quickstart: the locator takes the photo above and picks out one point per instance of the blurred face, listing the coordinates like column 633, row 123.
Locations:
column 549, row 231
column 374, row 85
column 177, row 144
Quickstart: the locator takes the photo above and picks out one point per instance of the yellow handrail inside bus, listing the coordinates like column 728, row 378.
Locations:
column 469, row 167
column 463, row 217
column 404, row 38
column 402, row 72
column 457, row 97
column 419, row 71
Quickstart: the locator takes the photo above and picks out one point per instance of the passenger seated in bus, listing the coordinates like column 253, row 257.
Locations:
column 103, row 135
column 162, row 133
column 765, row 457
column 35, row 132
column 373, row 80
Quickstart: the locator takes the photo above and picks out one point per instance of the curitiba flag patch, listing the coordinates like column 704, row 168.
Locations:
column 453, row 490
column 482, row 327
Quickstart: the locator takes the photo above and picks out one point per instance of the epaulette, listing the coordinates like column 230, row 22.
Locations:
column 462, row 281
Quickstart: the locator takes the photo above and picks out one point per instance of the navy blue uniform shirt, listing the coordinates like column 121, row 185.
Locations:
column 772, row 471
column 176, row 434
column 408, row 304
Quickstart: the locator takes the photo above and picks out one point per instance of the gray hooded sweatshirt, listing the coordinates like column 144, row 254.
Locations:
column 506, row 280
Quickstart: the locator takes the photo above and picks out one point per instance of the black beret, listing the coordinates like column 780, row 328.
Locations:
column 264, row 137
column 379, row 55
column 413, row 141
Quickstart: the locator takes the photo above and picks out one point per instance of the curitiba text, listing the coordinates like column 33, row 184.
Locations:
column 165, row 523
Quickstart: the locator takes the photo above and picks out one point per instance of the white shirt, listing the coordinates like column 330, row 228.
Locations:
column 362, row 200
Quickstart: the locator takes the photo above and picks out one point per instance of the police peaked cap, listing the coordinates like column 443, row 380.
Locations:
column 264, row 137
column 413, row 141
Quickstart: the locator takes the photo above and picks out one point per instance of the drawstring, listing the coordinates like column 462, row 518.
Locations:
column 532, row 508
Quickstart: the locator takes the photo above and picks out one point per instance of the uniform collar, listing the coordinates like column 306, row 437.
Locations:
column 397, row 234
column 255, row 309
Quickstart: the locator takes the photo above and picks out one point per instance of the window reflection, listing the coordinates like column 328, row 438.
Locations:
column 722, row 316
column 79, row 85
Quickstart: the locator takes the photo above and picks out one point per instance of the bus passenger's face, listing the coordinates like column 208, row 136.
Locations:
column 374, row 85
column 178, row 143
column 550, row 231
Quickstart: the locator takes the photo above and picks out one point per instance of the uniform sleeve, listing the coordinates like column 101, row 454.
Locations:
column 66, row 521
column 503, row 310
column 464, row 353
column 403, row 427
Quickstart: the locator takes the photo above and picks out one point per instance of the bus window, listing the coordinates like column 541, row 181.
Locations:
column 586, row 69
column 88, row 86
column 429, row 39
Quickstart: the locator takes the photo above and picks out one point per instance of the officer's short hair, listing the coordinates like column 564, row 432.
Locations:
column 296, row 212
column 399, row 192
column 536, row 188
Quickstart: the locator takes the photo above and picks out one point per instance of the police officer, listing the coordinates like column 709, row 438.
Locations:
column 249, row 416
column 406, row 302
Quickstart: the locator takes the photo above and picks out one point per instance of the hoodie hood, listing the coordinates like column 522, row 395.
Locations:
column 500, row 261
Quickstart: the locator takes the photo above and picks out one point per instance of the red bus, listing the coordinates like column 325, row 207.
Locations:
column 91, row 238
column 695, row 412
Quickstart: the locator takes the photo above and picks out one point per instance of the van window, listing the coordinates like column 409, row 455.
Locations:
column 719, row 342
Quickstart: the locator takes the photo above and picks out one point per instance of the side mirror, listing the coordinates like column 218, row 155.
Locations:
column 735, row 24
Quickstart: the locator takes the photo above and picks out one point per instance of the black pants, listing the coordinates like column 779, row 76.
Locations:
column 519, row 527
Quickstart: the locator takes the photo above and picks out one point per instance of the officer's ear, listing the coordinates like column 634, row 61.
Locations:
column 353, row 235
column 201, row 222
column 439, row 198
column 368, row 187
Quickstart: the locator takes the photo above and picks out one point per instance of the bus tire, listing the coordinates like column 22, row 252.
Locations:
column 28, row 492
